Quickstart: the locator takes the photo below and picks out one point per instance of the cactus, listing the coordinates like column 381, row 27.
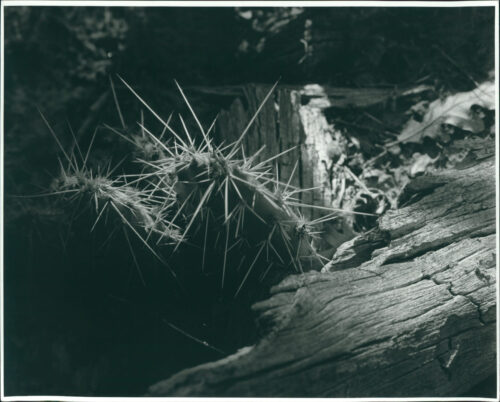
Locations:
column 195, row 193
column 229, row 201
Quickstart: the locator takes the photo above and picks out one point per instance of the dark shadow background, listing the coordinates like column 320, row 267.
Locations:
column 77, row 319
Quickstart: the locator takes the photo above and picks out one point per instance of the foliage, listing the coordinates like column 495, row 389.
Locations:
column 463, row 111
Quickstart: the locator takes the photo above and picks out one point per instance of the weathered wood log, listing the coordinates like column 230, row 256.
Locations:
column 416, row 318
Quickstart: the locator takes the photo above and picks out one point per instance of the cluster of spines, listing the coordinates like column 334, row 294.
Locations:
column 191, row 186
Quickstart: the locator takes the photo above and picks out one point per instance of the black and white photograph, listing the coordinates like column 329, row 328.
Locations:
column 249, row 199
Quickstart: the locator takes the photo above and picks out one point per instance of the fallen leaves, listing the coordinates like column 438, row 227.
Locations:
column 442, row 117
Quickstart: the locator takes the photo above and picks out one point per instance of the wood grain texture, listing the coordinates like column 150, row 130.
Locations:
column 417, row 317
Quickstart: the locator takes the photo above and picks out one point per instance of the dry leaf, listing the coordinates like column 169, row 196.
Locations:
column 456, row 110
column 421, row 164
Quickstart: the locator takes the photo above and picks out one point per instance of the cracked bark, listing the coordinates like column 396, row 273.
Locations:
column 408, row 311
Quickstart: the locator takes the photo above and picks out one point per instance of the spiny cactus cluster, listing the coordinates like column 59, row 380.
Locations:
column 191, row 192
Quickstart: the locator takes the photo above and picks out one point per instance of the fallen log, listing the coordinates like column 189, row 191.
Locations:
column 414, row 315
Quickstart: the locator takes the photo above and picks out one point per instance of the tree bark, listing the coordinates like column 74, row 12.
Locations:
column 414, row 314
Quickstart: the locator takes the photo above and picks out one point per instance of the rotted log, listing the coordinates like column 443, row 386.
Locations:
column 413, row 315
